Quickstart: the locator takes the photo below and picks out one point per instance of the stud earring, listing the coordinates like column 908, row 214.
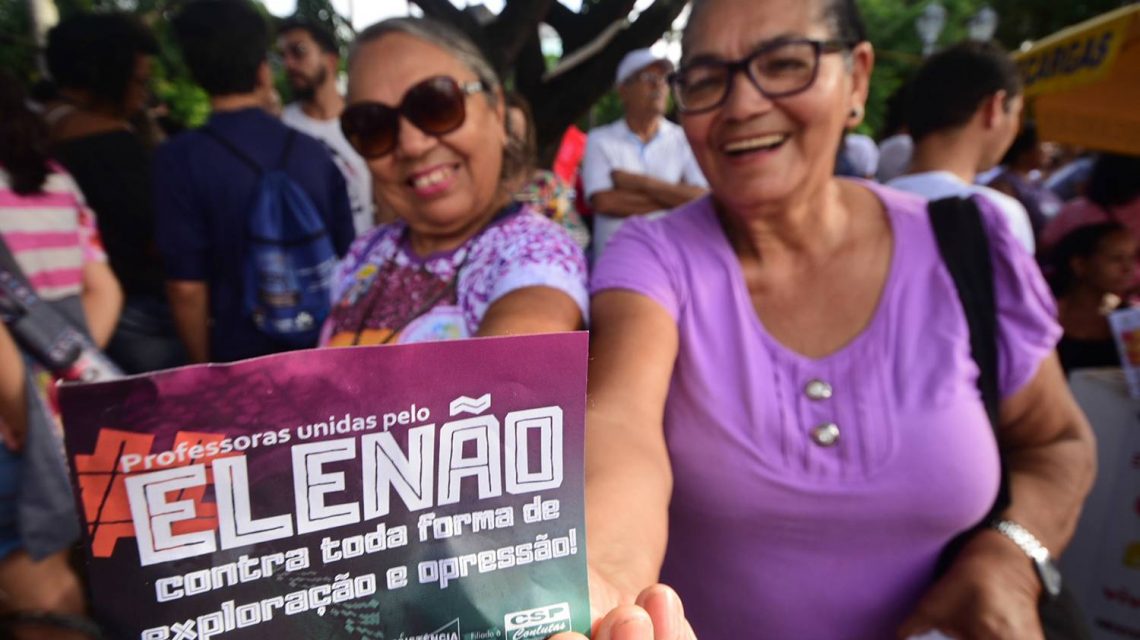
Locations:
column 856, row 112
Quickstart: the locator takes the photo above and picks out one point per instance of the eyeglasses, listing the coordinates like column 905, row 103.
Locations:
column 778, row 69
column 437, row 106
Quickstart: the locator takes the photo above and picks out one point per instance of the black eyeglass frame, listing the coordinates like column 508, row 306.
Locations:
column 466, row 89
column 743, row 65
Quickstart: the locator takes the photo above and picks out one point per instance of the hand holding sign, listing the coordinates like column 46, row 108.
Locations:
column 655, row 614
column 416, row 491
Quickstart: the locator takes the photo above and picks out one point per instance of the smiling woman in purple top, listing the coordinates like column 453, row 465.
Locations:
column 425, row 109
column 784, row 424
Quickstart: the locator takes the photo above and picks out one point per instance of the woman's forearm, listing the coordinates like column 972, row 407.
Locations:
column 629, row 477
column 13, row 401
column 102, row 301
column 1049, row 484
column 1050, row 453
column 628, row 487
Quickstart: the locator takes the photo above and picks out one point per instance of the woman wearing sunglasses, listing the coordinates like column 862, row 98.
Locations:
column 426, row 110
column 784, row 424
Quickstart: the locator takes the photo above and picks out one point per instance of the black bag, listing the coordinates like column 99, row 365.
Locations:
column 54, row 335
column 965, row 249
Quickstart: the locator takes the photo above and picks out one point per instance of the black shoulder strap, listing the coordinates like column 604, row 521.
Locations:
column 10, row 309
column 289, row 138
column 965, row 249
column 244, row 157
column 232, row 148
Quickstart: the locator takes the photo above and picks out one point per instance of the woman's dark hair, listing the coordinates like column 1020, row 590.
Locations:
column 1082, row 242
column 224, row 43
column 842, row 16
column 462, row 48
column 23, row 139
column 96, row 52
column 846, row 21
column 1115, row 180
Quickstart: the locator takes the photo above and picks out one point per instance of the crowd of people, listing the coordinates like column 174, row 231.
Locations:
column 785, row 424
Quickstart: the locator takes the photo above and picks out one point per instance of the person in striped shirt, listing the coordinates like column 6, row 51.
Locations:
column 50, row 232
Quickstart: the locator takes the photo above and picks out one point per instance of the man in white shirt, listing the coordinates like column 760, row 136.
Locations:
column 311, row 58
column 642, row 164
column 965, row 110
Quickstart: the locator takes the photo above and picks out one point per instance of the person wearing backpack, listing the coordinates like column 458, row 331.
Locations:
column 252, row 215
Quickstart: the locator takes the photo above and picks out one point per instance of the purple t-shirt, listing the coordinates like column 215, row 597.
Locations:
column 770, row 534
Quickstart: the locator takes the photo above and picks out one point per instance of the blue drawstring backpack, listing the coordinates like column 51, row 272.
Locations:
column 287, row 275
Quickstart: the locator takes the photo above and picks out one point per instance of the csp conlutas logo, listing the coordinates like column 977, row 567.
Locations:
column 537, row 623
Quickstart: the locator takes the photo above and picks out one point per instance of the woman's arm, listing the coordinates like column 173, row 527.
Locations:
column 629, row 481
column 13, row 401
column 531, row 310
column 991, row 590
column 1051, row 452
column 102, row 301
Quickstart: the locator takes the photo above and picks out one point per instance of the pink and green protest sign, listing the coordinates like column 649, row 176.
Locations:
column 413, row 491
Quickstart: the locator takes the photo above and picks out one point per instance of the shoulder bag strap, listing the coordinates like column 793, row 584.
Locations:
column 13, row 284
column 289, row 138
column 232, row 148
column 965, row 249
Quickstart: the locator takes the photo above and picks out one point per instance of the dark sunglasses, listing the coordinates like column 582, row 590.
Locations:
column 437, row 106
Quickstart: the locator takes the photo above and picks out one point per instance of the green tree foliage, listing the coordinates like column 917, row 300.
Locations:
column 1023, row 21
column 17, row 49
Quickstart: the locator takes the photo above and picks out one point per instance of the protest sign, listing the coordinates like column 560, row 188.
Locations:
column 427, row 491
column 1125, row 324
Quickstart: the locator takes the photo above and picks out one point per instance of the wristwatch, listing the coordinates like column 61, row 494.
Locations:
column 1047, row 572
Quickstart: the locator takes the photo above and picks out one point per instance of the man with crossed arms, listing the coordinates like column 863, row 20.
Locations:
column 641, row 164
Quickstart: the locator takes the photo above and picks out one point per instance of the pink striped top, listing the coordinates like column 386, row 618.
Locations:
column 52, row 235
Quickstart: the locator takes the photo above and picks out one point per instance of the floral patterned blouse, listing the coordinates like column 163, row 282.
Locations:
column 384, row 293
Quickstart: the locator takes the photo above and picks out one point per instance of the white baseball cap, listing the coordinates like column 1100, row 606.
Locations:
column 637, row 60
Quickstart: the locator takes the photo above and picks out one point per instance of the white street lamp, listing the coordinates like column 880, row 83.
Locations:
column 929, row 25
column 983, row 25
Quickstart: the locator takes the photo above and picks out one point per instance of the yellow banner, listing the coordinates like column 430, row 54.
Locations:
column 1076, row 56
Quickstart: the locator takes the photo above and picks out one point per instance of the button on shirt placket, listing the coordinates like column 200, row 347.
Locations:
column 825, row 434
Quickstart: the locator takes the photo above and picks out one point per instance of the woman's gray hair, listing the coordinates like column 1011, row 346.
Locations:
column 842, row 16
column 463, row 49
